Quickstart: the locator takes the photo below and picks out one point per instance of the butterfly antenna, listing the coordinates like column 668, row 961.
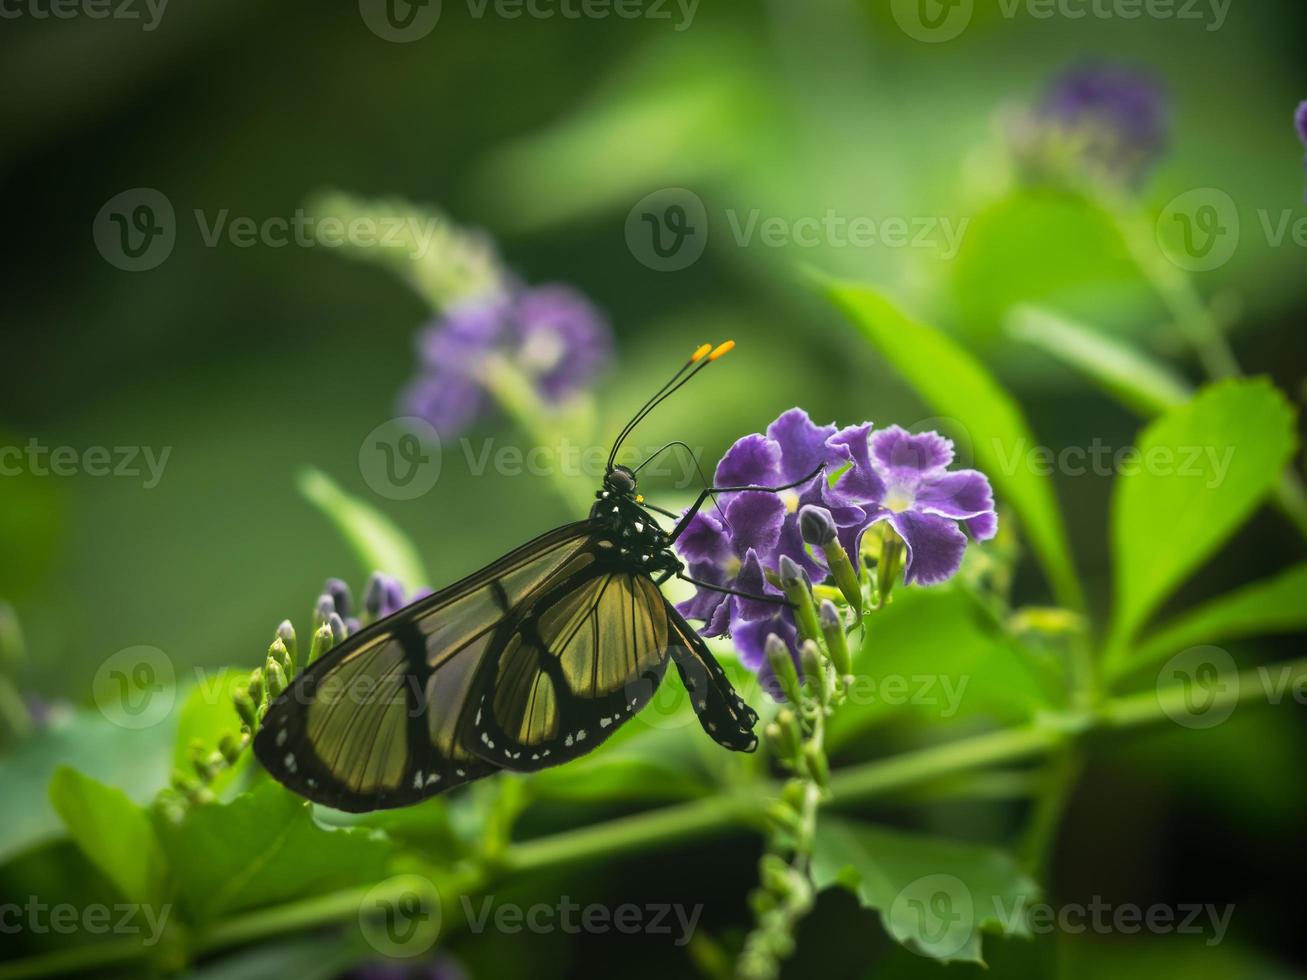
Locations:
column 698, row 469
column 704, row 355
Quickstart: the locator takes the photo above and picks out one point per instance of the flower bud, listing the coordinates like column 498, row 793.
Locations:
column 814, row 671
column 341, row 599
column 817, row 526
column 338, row 629
column 798, row 590
column 276, row 679
column 245, row 706
column 815, row 759
column 231, row 747
column 323, row 640
column 256, row 686
column 837, row 642
column 322, row 610
column 782, row 665
column 891, row 562
column 286, row 633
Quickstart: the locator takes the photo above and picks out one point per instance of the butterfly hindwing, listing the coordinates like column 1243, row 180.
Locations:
column 381, row 720
column 724, row 715
column 571, row 667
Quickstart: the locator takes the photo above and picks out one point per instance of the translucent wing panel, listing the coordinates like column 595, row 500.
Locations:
column 574, row 665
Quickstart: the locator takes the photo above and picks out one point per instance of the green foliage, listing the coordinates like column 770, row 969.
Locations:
column 1203, row 468
column 207, row 714
column 115, row 834
column 379, row 545
column 1273, row 605
column 935, row 896
column 955, row 384
column 261, row 848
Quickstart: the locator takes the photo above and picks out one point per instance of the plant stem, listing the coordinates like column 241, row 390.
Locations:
column 707, row 816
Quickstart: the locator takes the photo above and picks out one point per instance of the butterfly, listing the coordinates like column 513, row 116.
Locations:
column 530, row 662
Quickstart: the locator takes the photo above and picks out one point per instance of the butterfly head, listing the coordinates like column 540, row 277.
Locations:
column 620, row 481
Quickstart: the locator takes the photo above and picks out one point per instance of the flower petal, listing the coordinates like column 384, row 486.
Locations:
column 449, row 401
column 802, row 444
column 754, row 521
column 705, row 602
column 961, row 494
column 705, row 540
column 753, row 461
column 897, row 449
column 752, row 580
column 935, row 546
column 982, row 527
column 860, row 483
column 750, row 640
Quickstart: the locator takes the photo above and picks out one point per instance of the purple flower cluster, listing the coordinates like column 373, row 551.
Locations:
column 552, row 334
column 1113, row 120
column 890, row 476
column 383, row 596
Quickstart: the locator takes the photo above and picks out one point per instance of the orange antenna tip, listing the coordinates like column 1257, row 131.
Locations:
column 721, row 349
column 699, row 352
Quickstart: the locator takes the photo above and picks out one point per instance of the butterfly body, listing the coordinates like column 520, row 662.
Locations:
column 529, row 662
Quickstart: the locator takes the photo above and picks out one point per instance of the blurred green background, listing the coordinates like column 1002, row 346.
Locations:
column 251, row 363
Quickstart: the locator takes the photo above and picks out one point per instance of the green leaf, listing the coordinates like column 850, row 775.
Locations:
column 135, row 760
column 115, row 834
column 206, row 715
column 954, row 383
column 1139, row 383
column 378, row 543
column 935, row 896
column 938, row 654
column 1273, row 605
column 264, row 847
column 1202, row 469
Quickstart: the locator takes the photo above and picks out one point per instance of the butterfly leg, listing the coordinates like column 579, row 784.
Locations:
column 709, row 491
column 775, row 599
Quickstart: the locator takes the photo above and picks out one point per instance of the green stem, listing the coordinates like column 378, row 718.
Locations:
column 710, row 815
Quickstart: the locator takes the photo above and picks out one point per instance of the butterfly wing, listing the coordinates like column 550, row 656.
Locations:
column 380, row 720
column 571, row 667
column 724, row 715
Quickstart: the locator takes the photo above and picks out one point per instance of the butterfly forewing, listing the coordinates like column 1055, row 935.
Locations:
column 571, row 666
column 382, row 720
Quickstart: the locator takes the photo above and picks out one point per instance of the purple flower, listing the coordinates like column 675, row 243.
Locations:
column 439, row 968
column 552, row 334
column 929, row 506
column 1300, row 123
column 1109, row 119
column 891, row 476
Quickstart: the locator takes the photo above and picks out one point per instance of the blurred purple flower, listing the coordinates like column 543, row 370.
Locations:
column 552, row 334
column 383, row 596
column 439, row 968
column 1113, row 120
column 1300, row 123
